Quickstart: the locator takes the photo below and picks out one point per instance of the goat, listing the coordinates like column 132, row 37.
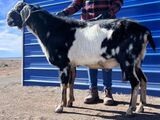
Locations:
column 68, row 43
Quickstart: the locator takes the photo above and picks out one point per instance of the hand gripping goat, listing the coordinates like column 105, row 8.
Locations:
column 68, row 43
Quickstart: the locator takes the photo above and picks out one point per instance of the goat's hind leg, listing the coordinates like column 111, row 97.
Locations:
column 135, row 89
column 71, row 87
column 143, row 87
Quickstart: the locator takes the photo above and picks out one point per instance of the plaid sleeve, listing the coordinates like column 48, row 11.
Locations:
column 73, row 7
column 116, row 6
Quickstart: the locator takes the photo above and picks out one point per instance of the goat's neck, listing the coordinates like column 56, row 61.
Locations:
column 41, row 24
column 35, row 33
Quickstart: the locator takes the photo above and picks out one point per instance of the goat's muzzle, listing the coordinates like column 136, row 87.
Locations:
column 14, row 19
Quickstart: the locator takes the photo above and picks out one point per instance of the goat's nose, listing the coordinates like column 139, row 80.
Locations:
column 10, row 22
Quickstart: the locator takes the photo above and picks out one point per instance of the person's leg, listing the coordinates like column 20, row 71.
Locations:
column 93, row 89
column 107, row 78
column 93, row 78
column 107, row 82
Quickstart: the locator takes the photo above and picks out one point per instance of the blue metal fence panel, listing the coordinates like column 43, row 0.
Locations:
column 37, row 71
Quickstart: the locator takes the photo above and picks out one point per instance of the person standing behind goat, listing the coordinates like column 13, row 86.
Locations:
column 95, row 10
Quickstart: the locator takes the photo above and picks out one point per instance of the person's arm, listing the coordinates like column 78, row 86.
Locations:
column 72, row 8
column 116, row 6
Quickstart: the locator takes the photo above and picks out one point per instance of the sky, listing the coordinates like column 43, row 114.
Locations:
column 10, row 38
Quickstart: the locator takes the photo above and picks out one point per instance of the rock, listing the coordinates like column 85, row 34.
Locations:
column 4, row 65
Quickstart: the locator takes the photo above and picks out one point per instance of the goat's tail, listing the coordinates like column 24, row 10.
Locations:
column 151, row 41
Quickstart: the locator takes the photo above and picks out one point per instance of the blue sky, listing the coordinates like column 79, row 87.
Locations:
column 10, row 38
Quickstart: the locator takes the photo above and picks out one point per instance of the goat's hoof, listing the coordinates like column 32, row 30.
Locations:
column 134, row 109
column 128, row 115
column 129, row 112
column 70, row 104
column 64, row 104
column 59, row 109
column 140, row 109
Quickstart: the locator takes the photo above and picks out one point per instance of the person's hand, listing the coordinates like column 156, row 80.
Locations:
column 105, row 15
column 96, row 18
column 101, row 16
column 62, row 13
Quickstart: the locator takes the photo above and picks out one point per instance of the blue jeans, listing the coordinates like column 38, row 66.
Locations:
column 107, row 78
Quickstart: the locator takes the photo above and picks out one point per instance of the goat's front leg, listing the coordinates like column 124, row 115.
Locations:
column 71, row 86
column 64, row 76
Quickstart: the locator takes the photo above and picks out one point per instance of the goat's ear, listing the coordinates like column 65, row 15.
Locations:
column 19, row 6
column 25, row 13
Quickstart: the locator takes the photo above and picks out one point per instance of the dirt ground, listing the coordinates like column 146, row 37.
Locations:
column 38, row 103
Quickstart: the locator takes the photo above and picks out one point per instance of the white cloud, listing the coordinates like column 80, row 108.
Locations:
column 10, row 40
column 5, row 6
column 5, row 49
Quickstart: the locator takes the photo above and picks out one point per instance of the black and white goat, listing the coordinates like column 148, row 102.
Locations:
column 68, row 43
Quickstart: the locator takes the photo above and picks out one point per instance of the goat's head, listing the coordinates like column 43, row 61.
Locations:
column 20, row 14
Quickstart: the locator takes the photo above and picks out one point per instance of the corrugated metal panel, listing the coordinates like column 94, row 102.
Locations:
column 37, row 71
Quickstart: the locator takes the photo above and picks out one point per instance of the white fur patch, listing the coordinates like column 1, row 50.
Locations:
column 104, row 50
column 10, row 19
column 130, row 46
column 108, row 56
column 145, row 37
column 117, row 50
column 65, row 71
column 66, row 44
column 86, row 49
column 45, row 51
column 113, row 52
column 59, row 56
column 127, row 63
column 12, row 24
column 48, row 34
column 109, row 34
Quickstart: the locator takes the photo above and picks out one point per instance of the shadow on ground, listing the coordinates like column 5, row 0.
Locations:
column 121, row 115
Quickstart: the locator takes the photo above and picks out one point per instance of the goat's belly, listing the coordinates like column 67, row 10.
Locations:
column 95, row 63
column 85, row 60
column 108, row 64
